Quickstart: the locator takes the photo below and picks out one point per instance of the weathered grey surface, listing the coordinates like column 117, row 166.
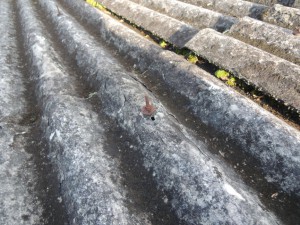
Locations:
column 273, row 39
column 185, row 177
column 269, row 73
column 89, row 178
column 236, row 8
column 258, row 132
column 18, row 203
column 197, row 193
column 198, row 17
column 291, row 3
column 282, row 16
column 296, row 4
column 172, row 30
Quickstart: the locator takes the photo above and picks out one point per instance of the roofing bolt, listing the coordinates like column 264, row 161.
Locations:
column 148, row 109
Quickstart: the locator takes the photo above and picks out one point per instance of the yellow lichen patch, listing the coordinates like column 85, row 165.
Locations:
column 222, row 75
column 163, row 44
column 192, row 58
column 95, row 4
column 231, row 81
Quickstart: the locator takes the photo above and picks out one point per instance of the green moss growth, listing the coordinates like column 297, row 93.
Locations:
column 163, row 44
column 192, row 58
column 185, row 52
column 231, row 81
column 222, row 75
column 95, row 4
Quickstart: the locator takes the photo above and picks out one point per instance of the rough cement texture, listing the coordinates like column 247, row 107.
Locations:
column 237, row 8
column 273, row 39
column 291, row 3
column 259, row 133
column 95, row 135
column 198, row 17
column 18, row 203
column 88, row 177
column 178, row 166
column 282, row 16
column 172, row 30
column 273, row 75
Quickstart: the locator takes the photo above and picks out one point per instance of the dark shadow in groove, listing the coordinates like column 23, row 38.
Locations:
column 286, row 2
column 256, row 12
column 286, row 207
column 223, row 24
column 182, row 36
column 142, row 191
column 144, row 197
column 46, row 186
column 270, row 3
